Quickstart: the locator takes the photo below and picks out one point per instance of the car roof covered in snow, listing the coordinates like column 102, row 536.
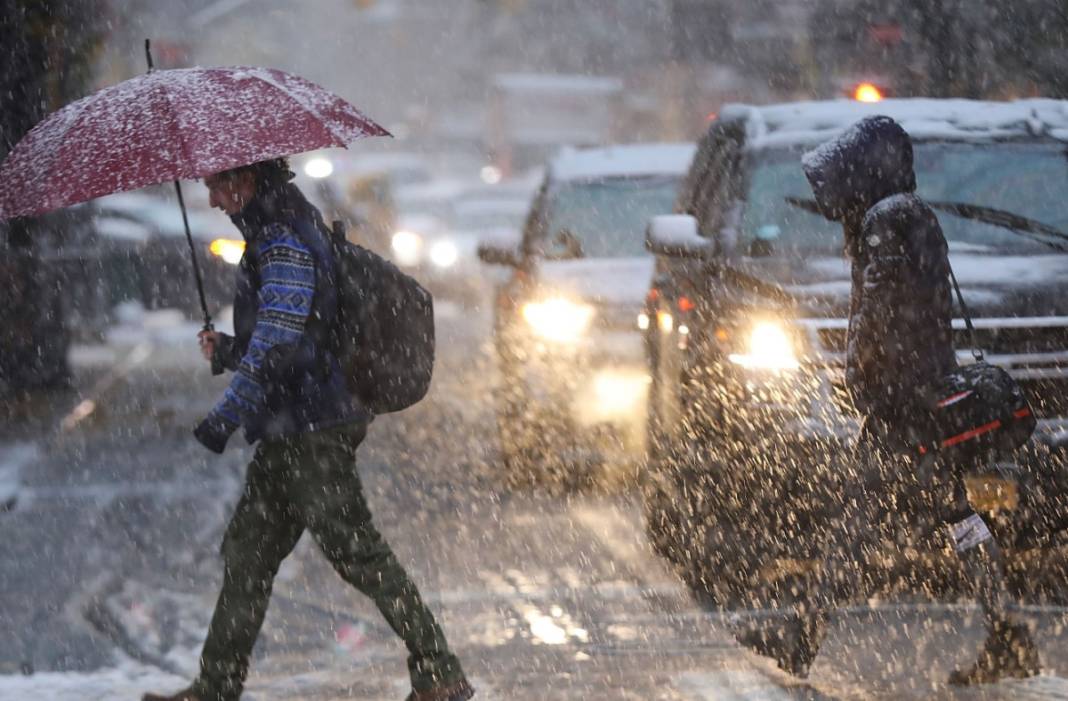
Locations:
column 630, row 160
column 809, row 123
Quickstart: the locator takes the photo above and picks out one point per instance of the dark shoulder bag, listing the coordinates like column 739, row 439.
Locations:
column 977, row 408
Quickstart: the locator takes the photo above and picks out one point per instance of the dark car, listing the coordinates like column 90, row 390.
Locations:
column 750, row 426
column 573, row 377
column 147, row 256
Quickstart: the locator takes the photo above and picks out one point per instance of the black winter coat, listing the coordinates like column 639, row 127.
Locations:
column 900, row 334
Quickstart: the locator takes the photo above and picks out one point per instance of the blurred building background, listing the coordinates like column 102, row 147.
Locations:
column 429, row 69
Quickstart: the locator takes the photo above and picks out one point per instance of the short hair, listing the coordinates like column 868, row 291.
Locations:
column 269, row 175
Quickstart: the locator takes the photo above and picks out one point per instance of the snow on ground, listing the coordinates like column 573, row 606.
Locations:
column 161, row 327
column 168, row 336
column 126, row 681
column 158, row 626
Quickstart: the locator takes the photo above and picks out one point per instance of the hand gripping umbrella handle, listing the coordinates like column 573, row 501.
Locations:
column 216, row 363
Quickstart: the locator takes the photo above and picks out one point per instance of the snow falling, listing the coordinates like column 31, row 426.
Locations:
column 708, row 417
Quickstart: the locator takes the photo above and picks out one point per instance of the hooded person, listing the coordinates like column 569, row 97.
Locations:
column 900, row 344
column 290, row 398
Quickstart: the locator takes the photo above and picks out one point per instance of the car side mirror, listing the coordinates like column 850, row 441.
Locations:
column 675, row 235
column 495, row 254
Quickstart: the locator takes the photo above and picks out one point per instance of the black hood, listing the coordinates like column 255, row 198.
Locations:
column 869, row 162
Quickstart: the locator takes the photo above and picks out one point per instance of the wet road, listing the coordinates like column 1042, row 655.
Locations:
column 110, row 568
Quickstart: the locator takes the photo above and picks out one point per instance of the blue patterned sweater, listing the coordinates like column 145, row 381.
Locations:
column 287, row 286
column 285, row 381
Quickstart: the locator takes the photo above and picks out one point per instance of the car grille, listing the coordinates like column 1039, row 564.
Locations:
column 1010, row 340
column 1048, row 395
column 617, row 318
column 833, row 340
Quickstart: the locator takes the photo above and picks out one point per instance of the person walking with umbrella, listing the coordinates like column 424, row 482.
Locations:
column 233, row 127
column 288, row 395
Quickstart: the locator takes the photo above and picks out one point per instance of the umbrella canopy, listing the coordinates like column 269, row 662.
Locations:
column 170, row 125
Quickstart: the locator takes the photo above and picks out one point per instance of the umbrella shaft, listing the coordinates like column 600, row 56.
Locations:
column 193, row 255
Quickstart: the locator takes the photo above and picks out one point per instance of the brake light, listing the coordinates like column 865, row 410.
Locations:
column 685, row 304
column 654, row 294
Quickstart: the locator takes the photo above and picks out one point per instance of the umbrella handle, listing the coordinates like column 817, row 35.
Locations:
column 216, row 364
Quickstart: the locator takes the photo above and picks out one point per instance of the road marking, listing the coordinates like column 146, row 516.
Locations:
column 556, row 628
column 87, row 406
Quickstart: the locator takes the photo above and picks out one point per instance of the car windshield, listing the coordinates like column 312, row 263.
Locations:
column 607, row 218
column 1028, row 180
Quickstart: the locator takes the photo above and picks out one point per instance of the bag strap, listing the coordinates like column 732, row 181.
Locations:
column 977, row 352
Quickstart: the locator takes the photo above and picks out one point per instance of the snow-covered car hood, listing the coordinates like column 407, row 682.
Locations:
column 622, row 282
column 993, row 285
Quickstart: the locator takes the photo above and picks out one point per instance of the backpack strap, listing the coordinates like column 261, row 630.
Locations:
column 977, row 352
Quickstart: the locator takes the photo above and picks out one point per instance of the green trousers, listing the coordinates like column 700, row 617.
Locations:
column 309, row 481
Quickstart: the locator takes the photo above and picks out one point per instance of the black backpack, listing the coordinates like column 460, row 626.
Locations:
column 383, row 334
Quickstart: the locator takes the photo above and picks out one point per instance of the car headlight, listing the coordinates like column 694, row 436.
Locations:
column 229, row 250
column 318, row 167
column 407, row 246
column 558, row 319
column 444, row 254
column 770, row 347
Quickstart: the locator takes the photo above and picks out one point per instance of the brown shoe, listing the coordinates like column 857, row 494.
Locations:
column 1008, row 653
column 185, row 695
column 457, row 691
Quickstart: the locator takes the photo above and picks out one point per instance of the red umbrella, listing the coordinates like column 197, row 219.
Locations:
column 171, row 125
